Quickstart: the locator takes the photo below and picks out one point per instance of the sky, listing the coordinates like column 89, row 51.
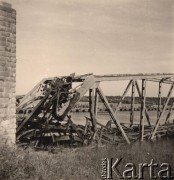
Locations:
column 58, row 37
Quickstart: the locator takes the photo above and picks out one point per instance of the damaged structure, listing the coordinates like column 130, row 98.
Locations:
column 44, row 114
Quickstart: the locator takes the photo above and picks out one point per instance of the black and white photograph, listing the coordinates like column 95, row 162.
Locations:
column 86, row 89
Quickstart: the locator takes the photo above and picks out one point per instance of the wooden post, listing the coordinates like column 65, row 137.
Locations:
column 101, row 133
column 96, row 104
column 111, row 112
column 139, row 93
column 169, row 113
column 159, row 99
column 162, row 113
column 142, row 112
column 91, row 108
column 132, row 103
column 86, row 126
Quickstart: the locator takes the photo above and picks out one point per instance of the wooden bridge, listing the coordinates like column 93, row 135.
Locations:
column 56, row 94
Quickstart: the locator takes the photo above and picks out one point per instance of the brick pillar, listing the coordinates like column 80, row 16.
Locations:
column 7, row 73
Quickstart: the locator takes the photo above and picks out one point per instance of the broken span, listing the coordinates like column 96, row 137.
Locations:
column 51, row 101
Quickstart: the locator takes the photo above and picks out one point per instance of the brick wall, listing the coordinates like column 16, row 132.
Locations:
column 7, row 73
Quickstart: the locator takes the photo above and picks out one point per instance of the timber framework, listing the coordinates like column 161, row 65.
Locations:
column 49, row 121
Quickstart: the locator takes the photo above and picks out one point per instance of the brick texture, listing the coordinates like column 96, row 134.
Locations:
column 7, row 73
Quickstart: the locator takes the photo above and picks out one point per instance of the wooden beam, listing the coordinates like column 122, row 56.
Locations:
column 113, row 116
column 116, row 77
column 91, row 107
column 29, row 95
column 139, row 93
column 96, row 104
column 123, row 96
column 32, row 113
column 169, row 113
column 132, row 103
column 142, row 112
column 162, row 113
column 159, row 99
column 86, row 126
column 86, row 85
column 161, row 79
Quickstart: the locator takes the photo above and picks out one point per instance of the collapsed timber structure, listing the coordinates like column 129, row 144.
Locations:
column 44, row 118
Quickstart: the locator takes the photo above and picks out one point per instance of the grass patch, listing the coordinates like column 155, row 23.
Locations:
column 80, row 163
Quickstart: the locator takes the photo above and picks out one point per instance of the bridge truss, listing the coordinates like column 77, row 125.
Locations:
column 51, row 101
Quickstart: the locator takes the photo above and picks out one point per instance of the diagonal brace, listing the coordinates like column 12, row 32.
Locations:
column 113, row 116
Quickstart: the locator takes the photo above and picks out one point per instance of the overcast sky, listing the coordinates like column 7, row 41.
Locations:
column 59, row 37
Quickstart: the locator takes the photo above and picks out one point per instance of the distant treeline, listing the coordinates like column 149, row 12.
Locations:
column 127, row 100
